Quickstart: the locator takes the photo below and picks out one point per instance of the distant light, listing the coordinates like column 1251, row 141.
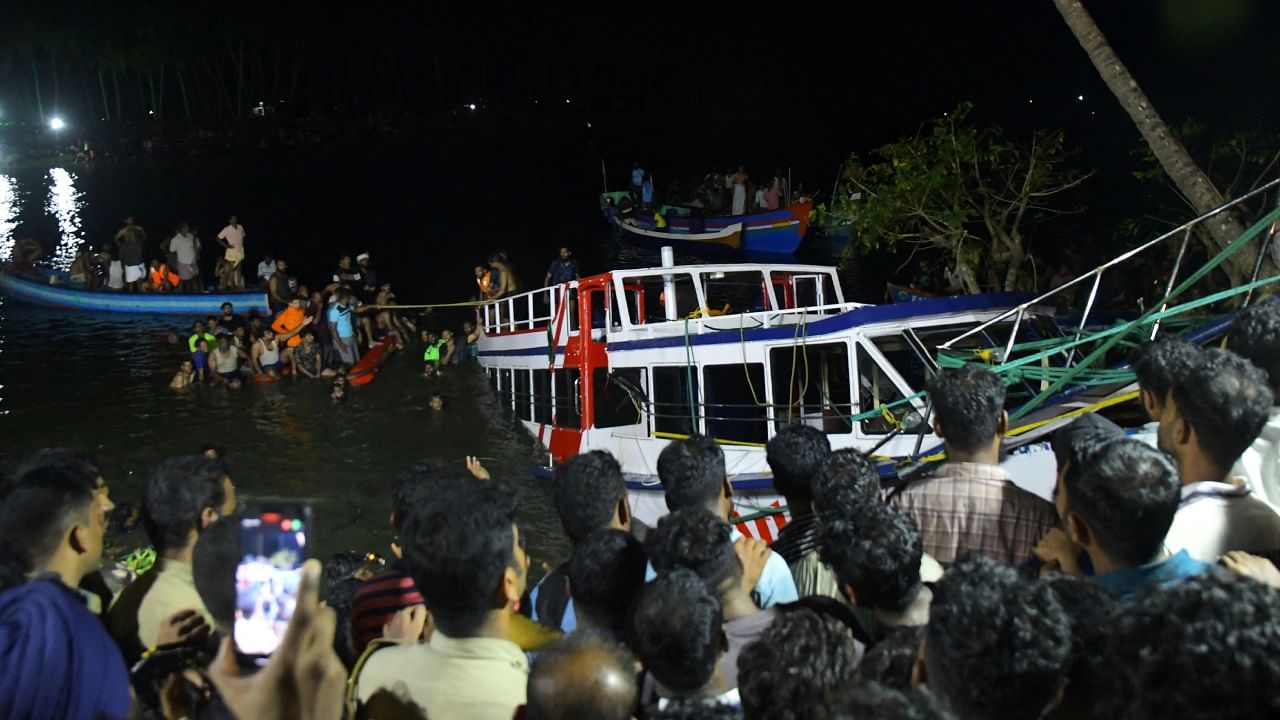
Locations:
column 56, row 123
column 471, row 106
column 1031, row 101
column 566, row 101
column 588, row 124
column 151, row 112
column 1080, row 97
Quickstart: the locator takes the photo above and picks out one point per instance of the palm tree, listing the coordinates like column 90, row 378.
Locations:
column 1177, row 163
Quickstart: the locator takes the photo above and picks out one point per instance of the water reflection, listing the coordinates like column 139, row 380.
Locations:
column 8, row 215
column 65, row 203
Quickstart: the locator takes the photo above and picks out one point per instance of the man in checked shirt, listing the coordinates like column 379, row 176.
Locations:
column 970, row 506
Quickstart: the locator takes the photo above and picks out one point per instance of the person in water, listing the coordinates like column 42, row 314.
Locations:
column 200, row 359
column 198, row 333
column 185, row 377
column 339, row 391
column 306, row 358
column 267, row 358
column 290, row 323
column 225, row 363
column 436, row 403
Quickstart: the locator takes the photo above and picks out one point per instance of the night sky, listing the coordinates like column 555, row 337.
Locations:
column 684, row 86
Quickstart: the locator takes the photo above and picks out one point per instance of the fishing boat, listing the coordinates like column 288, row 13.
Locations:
column 730, row 237
column 68, row 297
column 629, row 360
column 772, row 232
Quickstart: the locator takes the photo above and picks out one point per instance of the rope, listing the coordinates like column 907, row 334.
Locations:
column 688, row 366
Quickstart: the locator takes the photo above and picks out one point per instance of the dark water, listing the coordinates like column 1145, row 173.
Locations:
column 100, row 382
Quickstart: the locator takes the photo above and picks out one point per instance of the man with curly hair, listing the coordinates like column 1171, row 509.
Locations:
column 997, row 647
column 1208, row 648
column 1255, row 335
column 799, row 661
column 1215, row 411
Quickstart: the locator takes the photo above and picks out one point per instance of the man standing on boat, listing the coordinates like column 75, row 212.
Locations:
column 182, row 246
column 739, row 182
column 232, row 238
column 562, row 269
column 131, row 238
column 637, row 181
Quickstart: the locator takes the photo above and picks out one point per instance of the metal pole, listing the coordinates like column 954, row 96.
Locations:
column 669, row 284
column 1262, row 256
column 1173, row 277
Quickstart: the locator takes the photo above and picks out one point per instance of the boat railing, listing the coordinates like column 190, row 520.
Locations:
column 772, row 318
column 1180, row 235
column 530, row 310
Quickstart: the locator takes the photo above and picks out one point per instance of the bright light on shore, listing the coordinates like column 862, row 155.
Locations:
column 56, row 123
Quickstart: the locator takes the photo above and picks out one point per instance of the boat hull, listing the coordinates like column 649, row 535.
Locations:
column 730, row 238
column 775, row 232
column 68, row 298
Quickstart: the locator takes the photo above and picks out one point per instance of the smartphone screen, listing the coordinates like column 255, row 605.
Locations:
column 273, row 542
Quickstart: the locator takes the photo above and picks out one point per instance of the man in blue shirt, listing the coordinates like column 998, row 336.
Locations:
column 1117, row 498
column 562, row 269
column 693, row 476
column 341, row 329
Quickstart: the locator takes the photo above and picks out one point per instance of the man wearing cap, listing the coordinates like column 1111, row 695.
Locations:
column 369, row 277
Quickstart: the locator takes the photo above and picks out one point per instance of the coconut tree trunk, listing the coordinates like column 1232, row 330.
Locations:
column 1177, row 163
column 35, row 76
column 106, row 103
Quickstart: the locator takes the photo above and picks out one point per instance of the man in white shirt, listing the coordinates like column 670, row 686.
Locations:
column 186, row 258
column 463, row 550
column 1214, row 411
column 232, row 238
column 1255, row 335
column 266, row 269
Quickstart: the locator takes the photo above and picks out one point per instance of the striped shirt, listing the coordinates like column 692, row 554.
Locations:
column 975, row 509
column 377, row 602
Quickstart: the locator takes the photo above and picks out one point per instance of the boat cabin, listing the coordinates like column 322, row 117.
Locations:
column 628, row 360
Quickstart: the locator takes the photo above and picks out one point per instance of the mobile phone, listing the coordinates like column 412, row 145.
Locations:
column 273, row 543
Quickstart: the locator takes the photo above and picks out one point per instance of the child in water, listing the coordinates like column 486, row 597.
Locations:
column 436, row 403
column 339, row 389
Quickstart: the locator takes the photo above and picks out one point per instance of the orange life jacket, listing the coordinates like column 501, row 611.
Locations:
column 483, row 282
column 158, row 276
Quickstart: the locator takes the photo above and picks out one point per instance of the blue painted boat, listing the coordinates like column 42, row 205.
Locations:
column 775, row 232
column 70, row 298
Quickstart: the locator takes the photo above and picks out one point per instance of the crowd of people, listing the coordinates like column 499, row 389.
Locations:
column 732, row 192
column 1145, row 589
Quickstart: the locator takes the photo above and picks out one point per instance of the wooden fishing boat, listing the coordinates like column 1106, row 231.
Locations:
column 772, row 232
column 71, row 298
column 729, row 237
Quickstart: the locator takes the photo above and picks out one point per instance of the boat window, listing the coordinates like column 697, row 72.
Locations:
column 504, row 387
column 811, row 386
column 521, row 394
column 876, row 390
column 595, row 300
column 613, row 405
column 814, row 290
column 736, row 406
column 542, row 396
column 632, row 297
column 733, row 292
column 654, row 293
column 567, row 399
column 673, row 388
